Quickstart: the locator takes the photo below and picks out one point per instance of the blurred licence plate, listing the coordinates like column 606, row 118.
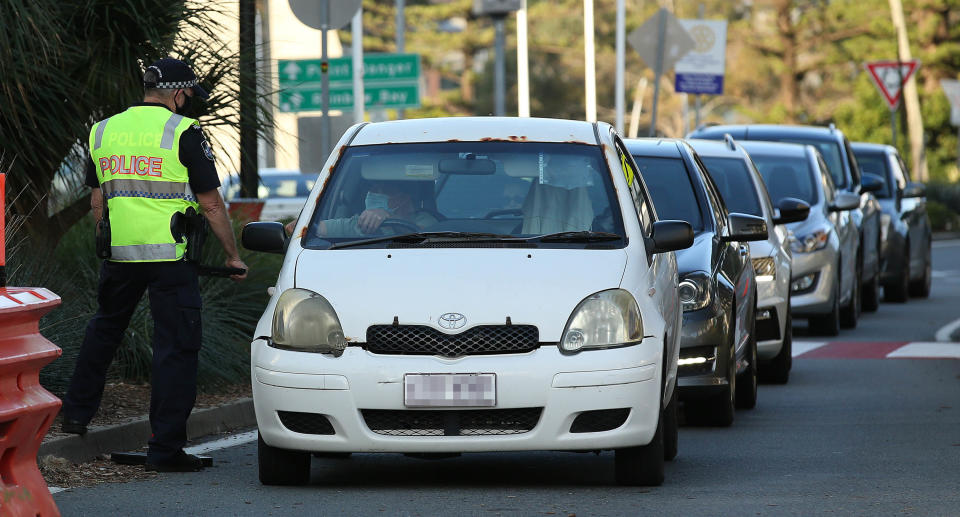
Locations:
column 449, row 389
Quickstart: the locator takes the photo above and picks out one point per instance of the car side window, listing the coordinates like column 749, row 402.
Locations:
column 637, row 191
column 854, row 166
column 716, row 201
column 826, row 180
column 903, row 167
column 764, row 195
column 898, row 175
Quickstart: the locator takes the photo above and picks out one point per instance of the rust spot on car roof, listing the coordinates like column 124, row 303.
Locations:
column 303, row 232
column 453, row 140
column 577, row 142
column 517, row 138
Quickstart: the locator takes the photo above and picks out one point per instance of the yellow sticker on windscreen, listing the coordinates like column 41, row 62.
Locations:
column 627, row 170
column 419, row 171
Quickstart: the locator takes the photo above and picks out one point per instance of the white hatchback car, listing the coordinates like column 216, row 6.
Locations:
column 743, row 191
column 471, row 284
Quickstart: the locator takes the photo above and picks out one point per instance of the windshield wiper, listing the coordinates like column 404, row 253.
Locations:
column 581, row 236
column 419, row 237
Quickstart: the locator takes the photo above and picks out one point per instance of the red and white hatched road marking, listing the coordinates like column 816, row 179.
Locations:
column 803, row 349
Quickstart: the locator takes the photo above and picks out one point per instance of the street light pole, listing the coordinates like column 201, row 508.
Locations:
column 325, row 127
column 500, row 69
column 523, row 65
column 589, row 53
column 619, row 102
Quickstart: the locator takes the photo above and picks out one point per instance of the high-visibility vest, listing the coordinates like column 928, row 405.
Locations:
column 137, row 158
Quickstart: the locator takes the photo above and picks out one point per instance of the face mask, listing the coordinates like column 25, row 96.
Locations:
column 181, row 110
column 375, row 200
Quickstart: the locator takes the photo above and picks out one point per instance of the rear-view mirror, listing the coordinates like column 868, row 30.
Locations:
column 670, row 236
column 467, row 166
column 791, row 210
column 845, row 201
column 871, row 182
column 744, row 227
column 269, row 237
column 915, row 190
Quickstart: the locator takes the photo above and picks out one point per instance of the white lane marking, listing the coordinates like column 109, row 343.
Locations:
column 223, row 443
column 943, row 335
column 55, row 489
column 801, row 347
column 928, row 350
column 945, row 243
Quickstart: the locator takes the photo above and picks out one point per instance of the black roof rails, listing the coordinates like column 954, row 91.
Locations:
column 731, row 143
column 833, row 127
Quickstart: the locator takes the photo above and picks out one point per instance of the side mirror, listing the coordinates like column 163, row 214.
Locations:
column 871, row 183
column 915, row 190
column 269, row 237
column 845, row 201
column 745, row 227
column 670, row 236
column 791, row 210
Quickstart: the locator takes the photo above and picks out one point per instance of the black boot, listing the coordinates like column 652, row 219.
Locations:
column 72, row 426
column 182, row 462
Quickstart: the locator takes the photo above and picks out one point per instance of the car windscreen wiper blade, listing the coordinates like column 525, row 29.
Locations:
column 581, row 236
column 418, row 237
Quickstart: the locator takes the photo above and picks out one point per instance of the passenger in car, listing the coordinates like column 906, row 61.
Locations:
column 384, row 201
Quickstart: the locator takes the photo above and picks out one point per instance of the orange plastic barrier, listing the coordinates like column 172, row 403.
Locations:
column 26, row 408
column 246, row 209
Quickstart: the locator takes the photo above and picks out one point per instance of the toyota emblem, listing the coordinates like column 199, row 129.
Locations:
column 452, row 320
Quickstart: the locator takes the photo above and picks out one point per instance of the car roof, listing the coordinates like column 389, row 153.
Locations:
column 717, row 148
column 760, row 131
column 476, row 129
column 657, row 147
column 761, row 148
column 872, row 148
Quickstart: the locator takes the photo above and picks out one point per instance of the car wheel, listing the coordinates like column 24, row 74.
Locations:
column 281, row 466
column 921, row 287
column 777, row 370
column 643, row 465
column 829, row 324
column 671, row 427
column 898, row 289
column 747, row 381
column 871, row 294
column 850, row 313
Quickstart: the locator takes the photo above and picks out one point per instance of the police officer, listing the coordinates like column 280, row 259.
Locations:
column 149, row 164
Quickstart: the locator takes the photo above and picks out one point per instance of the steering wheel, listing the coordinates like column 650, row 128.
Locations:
column 400, row 223
column 508, row 211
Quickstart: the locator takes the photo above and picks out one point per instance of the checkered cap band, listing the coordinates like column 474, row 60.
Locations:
column 175, row 85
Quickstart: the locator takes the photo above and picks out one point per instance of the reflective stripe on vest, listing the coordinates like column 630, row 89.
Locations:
column 144, row 252
column 147, row 188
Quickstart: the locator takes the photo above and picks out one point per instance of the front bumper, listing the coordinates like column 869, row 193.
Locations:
column 818, row 299
column 347, row 389
column 773, row 299
column 705, row 347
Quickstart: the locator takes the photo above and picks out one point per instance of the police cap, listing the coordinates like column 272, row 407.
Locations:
column 170, row 73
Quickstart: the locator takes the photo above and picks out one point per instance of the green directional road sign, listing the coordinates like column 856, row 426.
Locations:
column 341, row 98
column 377, row 68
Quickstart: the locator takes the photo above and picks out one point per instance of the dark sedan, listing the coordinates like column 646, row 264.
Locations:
column 904, row 221
column 844, row 170
column 718, row 348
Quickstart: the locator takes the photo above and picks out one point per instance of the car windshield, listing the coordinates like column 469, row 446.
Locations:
column 875, row 163
column 832, row 155
column 671, row 189
column 733, row 179
column 293, row 185
column 787, row 177
column 457, row 192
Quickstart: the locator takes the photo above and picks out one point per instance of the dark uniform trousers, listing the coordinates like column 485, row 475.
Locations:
column 175, row 305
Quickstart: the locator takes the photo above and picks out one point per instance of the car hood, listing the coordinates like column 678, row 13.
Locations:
column 697, row 257
column 487, row 286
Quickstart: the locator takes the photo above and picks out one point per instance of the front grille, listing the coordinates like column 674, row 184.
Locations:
column 423, row 340
column 467, row 422
column 600, row 420
column 768, row 328
column 306, row 423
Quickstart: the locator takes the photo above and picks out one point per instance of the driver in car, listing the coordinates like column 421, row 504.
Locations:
column 385, row 201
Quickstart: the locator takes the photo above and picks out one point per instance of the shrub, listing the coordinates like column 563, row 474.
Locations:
column 942, row 218
column 947, row 194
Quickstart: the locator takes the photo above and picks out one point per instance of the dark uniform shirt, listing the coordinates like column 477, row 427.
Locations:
column 195, row 155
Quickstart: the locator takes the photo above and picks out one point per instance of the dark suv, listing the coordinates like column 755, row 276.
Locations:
column 840, row 160
column 718, row 346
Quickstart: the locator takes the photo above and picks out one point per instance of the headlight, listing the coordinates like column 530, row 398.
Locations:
column 603, row 320
column 694, row 291
column 810, row 242
column 765, row 268
column 305, row 321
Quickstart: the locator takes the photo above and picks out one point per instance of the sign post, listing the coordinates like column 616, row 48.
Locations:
column 889, row 77
column 951, row 87
column 661, row 41
column 389, row 81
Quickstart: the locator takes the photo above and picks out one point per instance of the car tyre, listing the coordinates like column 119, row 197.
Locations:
column 851, row 313
column 282, row 466
column 746, row 397
column 829, row 324
column 777, row 370
column 920, row 288
column 870, row 293
column 671, row 427
column 643, row 465
column 898, row 290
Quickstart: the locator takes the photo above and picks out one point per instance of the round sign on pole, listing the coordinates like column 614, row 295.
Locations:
column 310, row 12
